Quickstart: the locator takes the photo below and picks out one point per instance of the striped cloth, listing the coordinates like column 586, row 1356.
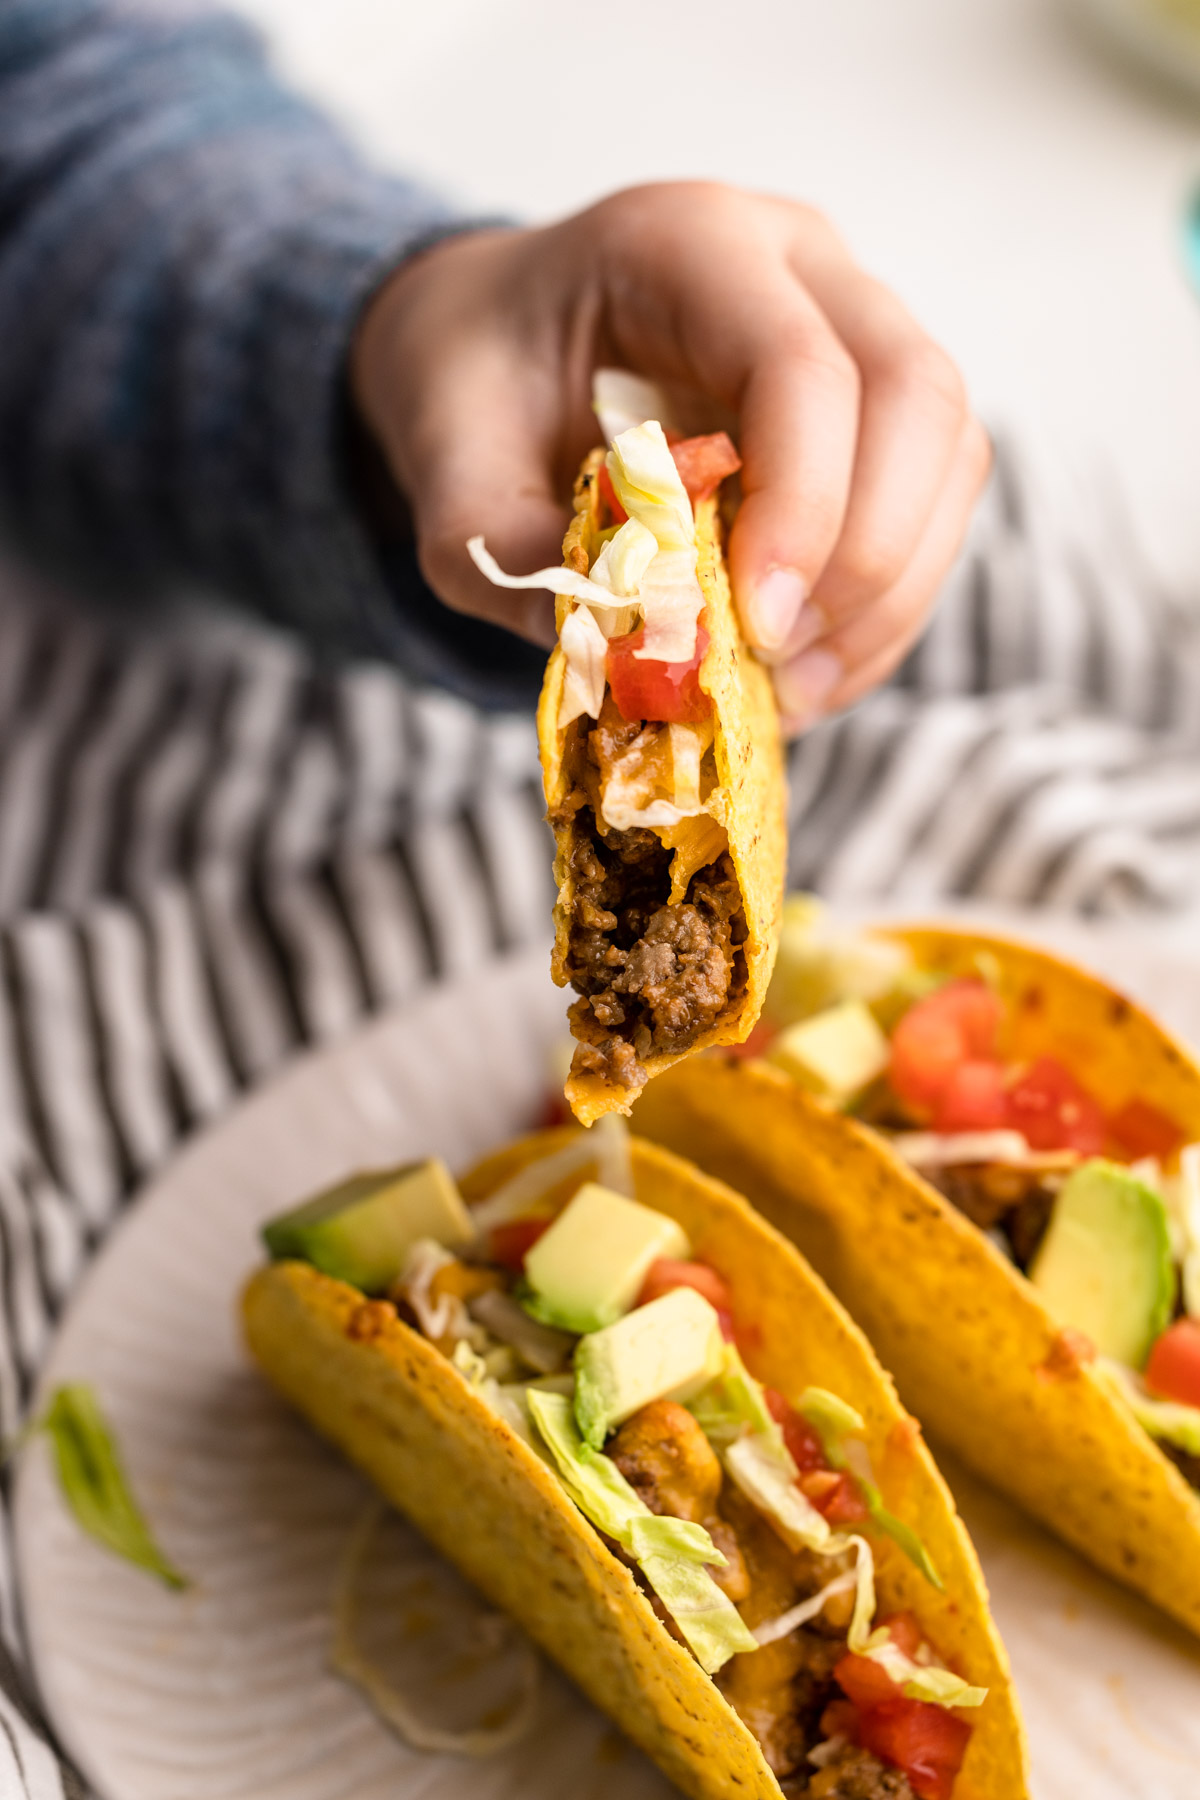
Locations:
column 214, row 852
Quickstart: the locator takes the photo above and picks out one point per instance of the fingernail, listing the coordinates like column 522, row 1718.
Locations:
column 774, row 604
column 803, row 686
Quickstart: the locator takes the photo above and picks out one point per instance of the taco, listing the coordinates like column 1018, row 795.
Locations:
column 644, row 1428
column 994, row 1160
column 663, row 775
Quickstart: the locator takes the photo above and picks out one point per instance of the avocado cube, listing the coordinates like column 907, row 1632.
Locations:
column 362, row 1230
column 835, row 1054
column 1104, row 1265
column 586, row 1270
column 667, row 1350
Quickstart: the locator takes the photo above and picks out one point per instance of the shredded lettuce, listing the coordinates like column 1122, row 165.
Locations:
column 919, row 1681
column 649, row 487
column 1169, row 1420
column 621, row 400
column 768, row 1480
column 733, row 1401
column 833, row 1421
column 585, row 650
column 864, row 1596
column 558, row 580
column 624, row 559
column 670, row 1552
column 525, row 1192
column 800, row 1614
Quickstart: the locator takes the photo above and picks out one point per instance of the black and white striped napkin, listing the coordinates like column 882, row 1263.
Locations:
column 214, row 853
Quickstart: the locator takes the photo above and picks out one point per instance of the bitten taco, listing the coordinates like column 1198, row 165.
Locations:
column 994, row 1159
column 663, row 775
column 645, row 1429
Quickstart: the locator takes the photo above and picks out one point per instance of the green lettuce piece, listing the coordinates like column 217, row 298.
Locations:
column 768, row 1481
column 94, row 1484
column 707, row 1618
column 920, row 1681
column 833, row 1421
column 654, row 1535
column 1169, row 1420
column 731, row 1403
column 858, row 1636
column 670, row 1552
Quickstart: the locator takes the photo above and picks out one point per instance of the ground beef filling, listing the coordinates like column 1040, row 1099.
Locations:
column 1016, row 1202
column 651, row 977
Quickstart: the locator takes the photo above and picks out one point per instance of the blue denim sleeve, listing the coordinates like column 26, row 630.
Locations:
column 185, row 246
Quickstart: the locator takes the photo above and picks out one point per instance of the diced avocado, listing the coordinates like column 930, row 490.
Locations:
column 586, row 1270
column 362, row 1230
column 818, row 967
column 836, row 1054
column 1104, row 1265
column 667, row 1350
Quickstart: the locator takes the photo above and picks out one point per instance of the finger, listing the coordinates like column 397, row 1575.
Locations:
column 477, row 463
column 699, row 289
column 850, row 659
column 914, row 407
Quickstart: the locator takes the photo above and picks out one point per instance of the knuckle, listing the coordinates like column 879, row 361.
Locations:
column 870, row 562
column 922, row 369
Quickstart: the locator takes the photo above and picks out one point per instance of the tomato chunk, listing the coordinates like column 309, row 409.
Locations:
column 905, row 1632
column 704, row 462
column 926, row 1742
column 974, row 1098
column 644, row 688
column 510, row 1244
column 1053, row 1111
column 840, row 1719
column 865, row 1681
column 668, row 1272
column 804, row 1446
column 844, row 1505
column 1173, row 1369
column 611, row 510
column 956, row 1024
column 1141, row 1130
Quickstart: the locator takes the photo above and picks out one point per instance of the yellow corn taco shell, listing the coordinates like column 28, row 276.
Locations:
column 401, row 1411
column 747, row 808
column 968, row 1339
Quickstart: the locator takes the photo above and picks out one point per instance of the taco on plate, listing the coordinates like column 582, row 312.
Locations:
column 664, row 780
column 994, row 1160
column 631, row 1414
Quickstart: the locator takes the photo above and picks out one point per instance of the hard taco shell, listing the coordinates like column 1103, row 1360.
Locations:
column 750, row 778
column 972, row 1348
column 400, row 1410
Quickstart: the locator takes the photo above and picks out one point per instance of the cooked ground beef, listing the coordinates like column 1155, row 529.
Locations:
column 855, row 1774
column 652, row 976
column 1016, row 1201
column 1188, row 1465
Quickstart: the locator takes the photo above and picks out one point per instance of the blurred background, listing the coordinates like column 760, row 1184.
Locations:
column 1010, row 166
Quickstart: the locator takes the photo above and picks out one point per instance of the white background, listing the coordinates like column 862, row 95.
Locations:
column 1020, row 187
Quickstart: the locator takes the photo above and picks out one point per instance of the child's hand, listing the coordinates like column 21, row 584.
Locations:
column 473, row 367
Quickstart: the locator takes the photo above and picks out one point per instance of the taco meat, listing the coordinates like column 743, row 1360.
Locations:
column 652, row 976
column 855, row 1774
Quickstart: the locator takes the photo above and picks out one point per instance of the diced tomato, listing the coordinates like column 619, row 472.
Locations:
column 1174, row 1366
column 645, row 688
column 926, row 1742
column 1141, row 1130
column 974, row 1098
column 840, row 1719
column 904, row 1630
column 1053, row 1112
column 668, row 1272
column 818, row 1485
column 804, row 1446
column 612, row 512
column 704, row 462
column 955, row 1024
column 845, row 1504
column 510, row 1244
column 865, row 1681
column 758, row 1041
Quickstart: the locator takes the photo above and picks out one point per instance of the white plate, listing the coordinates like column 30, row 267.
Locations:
column 222, row 1693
